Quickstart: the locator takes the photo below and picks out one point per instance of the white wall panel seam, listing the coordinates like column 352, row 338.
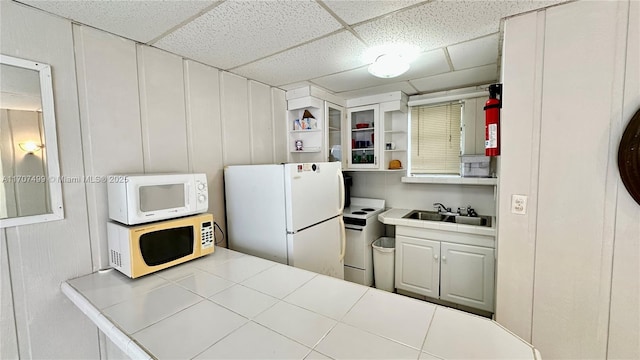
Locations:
column 222, row 119
column 142, row 93
column 187, row 114
column 612, row 179
column 273, row 125
column 85, row 139
column 5, row 240
column 24, row 311
column 535, row 152
column 251, row 119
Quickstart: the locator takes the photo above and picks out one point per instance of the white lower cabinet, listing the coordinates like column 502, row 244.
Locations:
column 467, row 275
column 418, row 266
column 461, row 274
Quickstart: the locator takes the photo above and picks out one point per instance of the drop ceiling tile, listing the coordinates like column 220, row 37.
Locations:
column 356, row 11
column 138, row 20
column 457, row 79
column 295, row 85
column 427, row 64
column 403, row 86
column 440, row 23
column 237, row 32
column 474, row 53
column 335, row 53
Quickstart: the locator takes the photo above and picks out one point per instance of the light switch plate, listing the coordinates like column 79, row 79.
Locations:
column 519, row 204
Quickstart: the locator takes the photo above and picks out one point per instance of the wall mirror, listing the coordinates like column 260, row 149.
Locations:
column 31, row 188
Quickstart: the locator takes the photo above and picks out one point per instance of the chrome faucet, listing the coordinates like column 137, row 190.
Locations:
column 440, row 208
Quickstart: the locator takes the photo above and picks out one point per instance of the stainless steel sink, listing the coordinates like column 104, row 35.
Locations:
column 458, row 219
column 425, row 215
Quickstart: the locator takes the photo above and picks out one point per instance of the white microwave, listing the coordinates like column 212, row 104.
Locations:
column 137, row 199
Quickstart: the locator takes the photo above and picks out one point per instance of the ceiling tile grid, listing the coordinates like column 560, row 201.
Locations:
column 427, row 64
column 353, row 12
column 328, row 55
column 457, row 79
column 238, row 32
column 474, row 53
column 441, row 23
column 141, row 21
column 288, row 42
column 403, row 86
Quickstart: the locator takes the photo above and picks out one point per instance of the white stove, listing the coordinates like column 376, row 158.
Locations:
column 362, row 209
column 362, row 228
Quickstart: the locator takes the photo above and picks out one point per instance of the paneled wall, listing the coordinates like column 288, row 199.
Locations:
column 137, row 109
column 40, row 256
column 568, row 276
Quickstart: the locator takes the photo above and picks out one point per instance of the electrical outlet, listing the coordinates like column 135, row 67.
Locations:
column 519, row 204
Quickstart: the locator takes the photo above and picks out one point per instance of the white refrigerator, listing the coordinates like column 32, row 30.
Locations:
column 289, row 213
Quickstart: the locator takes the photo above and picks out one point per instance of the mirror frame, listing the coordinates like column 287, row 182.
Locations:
column 51, row 144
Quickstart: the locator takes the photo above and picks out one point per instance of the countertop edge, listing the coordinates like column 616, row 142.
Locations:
column 119, row 338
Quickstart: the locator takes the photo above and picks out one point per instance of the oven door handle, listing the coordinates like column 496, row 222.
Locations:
column 350, row 228
column 343, row 237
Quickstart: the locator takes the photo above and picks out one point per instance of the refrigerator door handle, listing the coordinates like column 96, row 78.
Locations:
column 342, row 193
column 343, row 235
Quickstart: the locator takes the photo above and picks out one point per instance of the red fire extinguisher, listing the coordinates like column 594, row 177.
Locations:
column 492, row 121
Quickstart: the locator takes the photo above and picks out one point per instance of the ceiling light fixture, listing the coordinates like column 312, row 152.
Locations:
column 30, row 147
column 388, row 66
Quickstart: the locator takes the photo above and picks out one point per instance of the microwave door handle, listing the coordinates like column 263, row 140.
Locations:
column 186, row 194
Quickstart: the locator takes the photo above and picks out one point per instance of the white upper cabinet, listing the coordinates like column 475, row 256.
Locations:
column 362, row 129
column 315, row 122
column 377, row 132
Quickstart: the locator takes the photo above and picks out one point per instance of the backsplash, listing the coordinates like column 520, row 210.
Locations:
column 388, row 186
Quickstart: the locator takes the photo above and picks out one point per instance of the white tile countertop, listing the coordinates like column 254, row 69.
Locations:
column 395, row 217
column 230, row 305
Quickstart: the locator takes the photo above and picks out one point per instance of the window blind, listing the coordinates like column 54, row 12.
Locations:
column 435, row 139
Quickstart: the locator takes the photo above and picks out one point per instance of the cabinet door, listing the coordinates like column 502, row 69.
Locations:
column 363, row 133
column 467, row 275
column 335, row 120
column 418, row 265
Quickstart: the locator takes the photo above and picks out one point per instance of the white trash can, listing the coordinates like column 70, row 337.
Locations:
column 384, row 262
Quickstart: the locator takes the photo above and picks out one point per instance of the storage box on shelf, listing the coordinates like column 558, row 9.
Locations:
column 377, row 132
column 474, row 165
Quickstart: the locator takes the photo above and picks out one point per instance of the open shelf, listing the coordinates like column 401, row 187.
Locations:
column 449, row 180
column 307, row 150
column 305, row 131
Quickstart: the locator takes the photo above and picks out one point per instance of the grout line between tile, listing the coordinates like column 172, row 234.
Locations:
column 429, row 328
column 222, row 338
column 154, row 323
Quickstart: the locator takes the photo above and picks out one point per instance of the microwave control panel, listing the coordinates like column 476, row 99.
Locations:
column 201, row 191
column 206, row 235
